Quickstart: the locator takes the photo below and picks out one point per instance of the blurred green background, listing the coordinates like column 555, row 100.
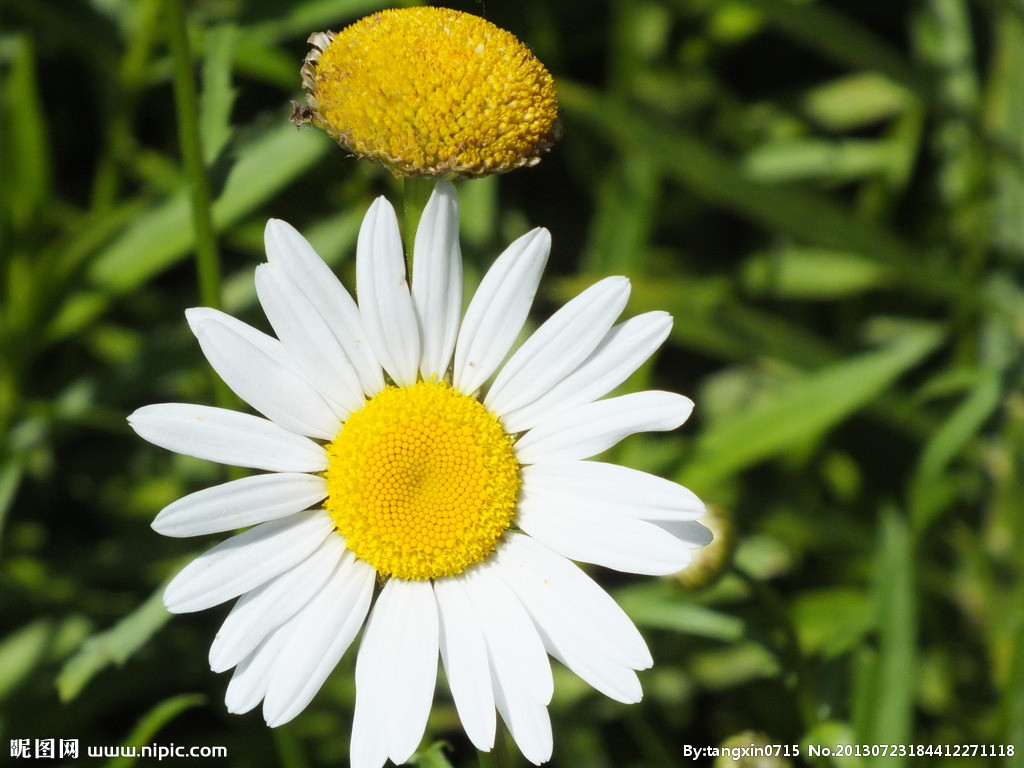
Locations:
column 827, row 195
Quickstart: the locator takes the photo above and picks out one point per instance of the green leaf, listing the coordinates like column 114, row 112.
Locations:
column 24, row 152
column 816, row 158
column 114, row 646
column 734, row 665
column 799, row 211
column 1004, row 116
column 886, row 684
column 803, row 409
column 41, row 642
column 813, row 273
column 313, row 15
column 947, row 442
column 432, row 756
column 855, row 101
column 658, row 606
column 831, row 621
column 626, row 200
column 164, row 236
column 10, row 478
column 21, row 652
column 150, row 724
column 839, row 37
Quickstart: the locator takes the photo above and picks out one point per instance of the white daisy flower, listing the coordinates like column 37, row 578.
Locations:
column 389, row 460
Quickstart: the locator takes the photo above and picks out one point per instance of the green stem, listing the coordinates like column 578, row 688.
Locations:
column 415, row 194
column 789, row 650
column 207, row 261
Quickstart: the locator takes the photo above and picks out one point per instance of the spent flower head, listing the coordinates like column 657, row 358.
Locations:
column 430, row 92
column 398, row 449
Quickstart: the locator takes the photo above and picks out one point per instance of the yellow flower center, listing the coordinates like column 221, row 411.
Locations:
column 422, row 481
column 431, row 91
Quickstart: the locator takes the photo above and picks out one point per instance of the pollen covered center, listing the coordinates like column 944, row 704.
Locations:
column 431, row 91
column 422, row 481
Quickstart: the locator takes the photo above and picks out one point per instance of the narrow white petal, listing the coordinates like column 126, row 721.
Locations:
column 465, row 662
column 323, row 631
column 527, row 720
column 240, row 503
column 396, row 671
column 623, row 349
column 384, row 300
column 575, row 598
column 368, row 747
column 512, row 640
column 309, row 338
column 614, row 541
column 260, row 611
column 245, row 561
column 437, row 280
column 258, row 369
column 612, row 488
column 564, row 639
column 558, row 347
column 498, row 310
column 588, row 429
column 251, row 677
column 290, row 250
column 520, row 671
column 227, row 437
column 689, row 531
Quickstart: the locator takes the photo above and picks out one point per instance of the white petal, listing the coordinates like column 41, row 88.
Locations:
column 614, row 541
column 289, row 250
column 251, row 677
column 260, row 611
column 395, row 672
column 245, row 561
column 498, row 310
column 323, row 630
column 465, row 662
column 555, row 349
column 527, row 720
column 612, row 488
column 689, row 531
column 623, row 349
column 309, row 338
column 437, row 280
column 384, row 300
column 240, row 503
column 594, row 427
column 575, row 598
column 258, row 369
column 520, row 671
column 227, row 437
column 565, row 639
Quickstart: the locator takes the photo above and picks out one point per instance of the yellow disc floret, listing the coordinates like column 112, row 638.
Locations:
column 429, row 92
column 422, row 481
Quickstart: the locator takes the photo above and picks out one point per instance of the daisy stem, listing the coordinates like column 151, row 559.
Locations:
column 415, row 193
column 207, row 261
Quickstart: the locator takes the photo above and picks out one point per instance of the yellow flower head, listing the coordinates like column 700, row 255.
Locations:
column 430, row 92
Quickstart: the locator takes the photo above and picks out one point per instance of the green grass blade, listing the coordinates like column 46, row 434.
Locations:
column 886, row 715
column 113, row 646
column 804, row 410
column 151, row 723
